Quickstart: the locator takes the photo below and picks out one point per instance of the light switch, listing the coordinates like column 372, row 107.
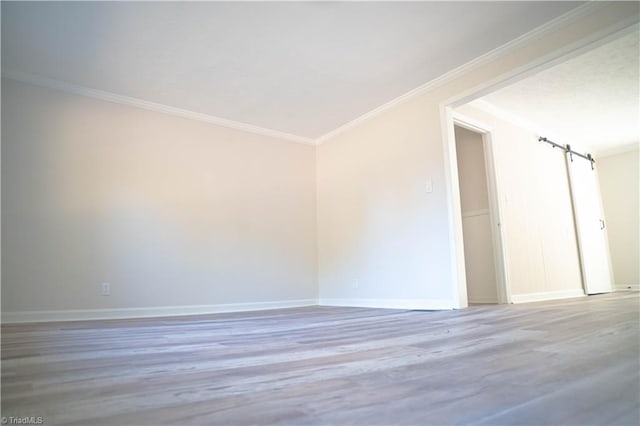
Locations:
column 429, row 186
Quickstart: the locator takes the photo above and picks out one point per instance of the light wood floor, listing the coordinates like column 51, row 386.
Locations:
column 569, row 362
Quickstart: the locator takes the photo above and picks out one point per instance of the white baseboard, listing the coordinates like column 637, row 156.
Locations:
column 627, row 287
column 483, row 300
column 413, row 304
column 160, row 311
column 549, row 295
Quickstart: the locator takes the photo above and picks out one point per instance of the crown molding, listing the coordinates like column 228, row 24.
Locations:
column 62, row 86
column 511, row 46
column 623, row 149
column 496, row 111
column 537, row 130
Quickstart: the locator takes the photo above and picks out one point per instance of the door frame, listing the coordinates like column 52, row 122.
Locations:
column 495, row 210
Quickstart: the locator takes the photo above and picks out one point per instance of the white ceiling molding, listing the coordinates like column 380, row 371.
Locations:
column 633, row 147
column 538, row 130
column 587, row 44
column 590, row 100
column 513, row 45
column 239, row 61
column 151, row 106
column 509, row 47
column 505, row 115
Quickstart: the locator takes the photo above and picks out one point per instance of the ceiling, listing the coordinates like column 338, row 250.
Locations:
column 591, row 101
column 304, row 68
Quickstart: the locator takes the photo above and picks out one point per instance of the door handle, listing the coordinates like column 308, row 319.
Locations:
column 601, row 224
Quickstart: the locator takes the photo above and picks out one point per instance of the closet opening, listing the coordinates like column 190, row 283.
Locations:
column 483, row 255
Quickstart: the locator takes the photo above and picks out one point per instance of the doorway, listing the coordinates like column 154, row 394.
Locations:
column 483, row 254
column 551, row 277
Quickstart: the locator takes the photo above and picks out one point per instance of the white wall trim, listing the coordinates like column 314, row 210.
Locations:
column 445, row 78
column 454, row 209
column 484, row 301
column 471, row 124
column 627, row 287
column 413, row 304
column 622, row 149
column 481, row 60
column 160, row 311
column 548, row 295
column 473, row 213
column 102, row 95
column 509, row 117
column 572, row 50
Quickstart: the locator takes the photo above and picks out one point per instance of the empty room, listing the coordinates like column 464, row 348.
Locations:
column 320, row 213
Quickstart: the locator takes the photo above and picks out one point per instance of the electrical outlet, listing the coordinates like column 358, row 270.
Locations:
column 355, row 284
column 106, row 289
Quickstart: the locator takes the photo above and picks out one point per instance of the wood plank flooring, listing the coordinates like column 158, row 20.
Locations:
column 572, row 362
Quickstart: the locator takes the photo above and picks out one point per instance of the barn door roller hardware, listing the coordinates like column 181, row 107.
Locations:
column 567, row 148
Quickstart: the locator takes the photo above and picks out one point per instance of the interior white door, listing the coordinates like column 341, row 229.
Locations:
column 590, row 226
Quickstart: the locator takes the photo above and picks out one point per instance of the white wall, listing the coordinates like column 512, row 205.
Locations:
column 620, row 188
column 537, row 218
column 376, row 222
column 169, row 211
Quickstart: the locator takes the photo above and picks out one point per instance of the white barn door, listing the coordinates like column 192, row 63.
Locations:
column 590, row 226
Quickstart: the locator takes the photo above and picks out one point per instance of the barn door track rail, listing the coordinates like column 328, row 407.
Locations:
column 567, row 148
